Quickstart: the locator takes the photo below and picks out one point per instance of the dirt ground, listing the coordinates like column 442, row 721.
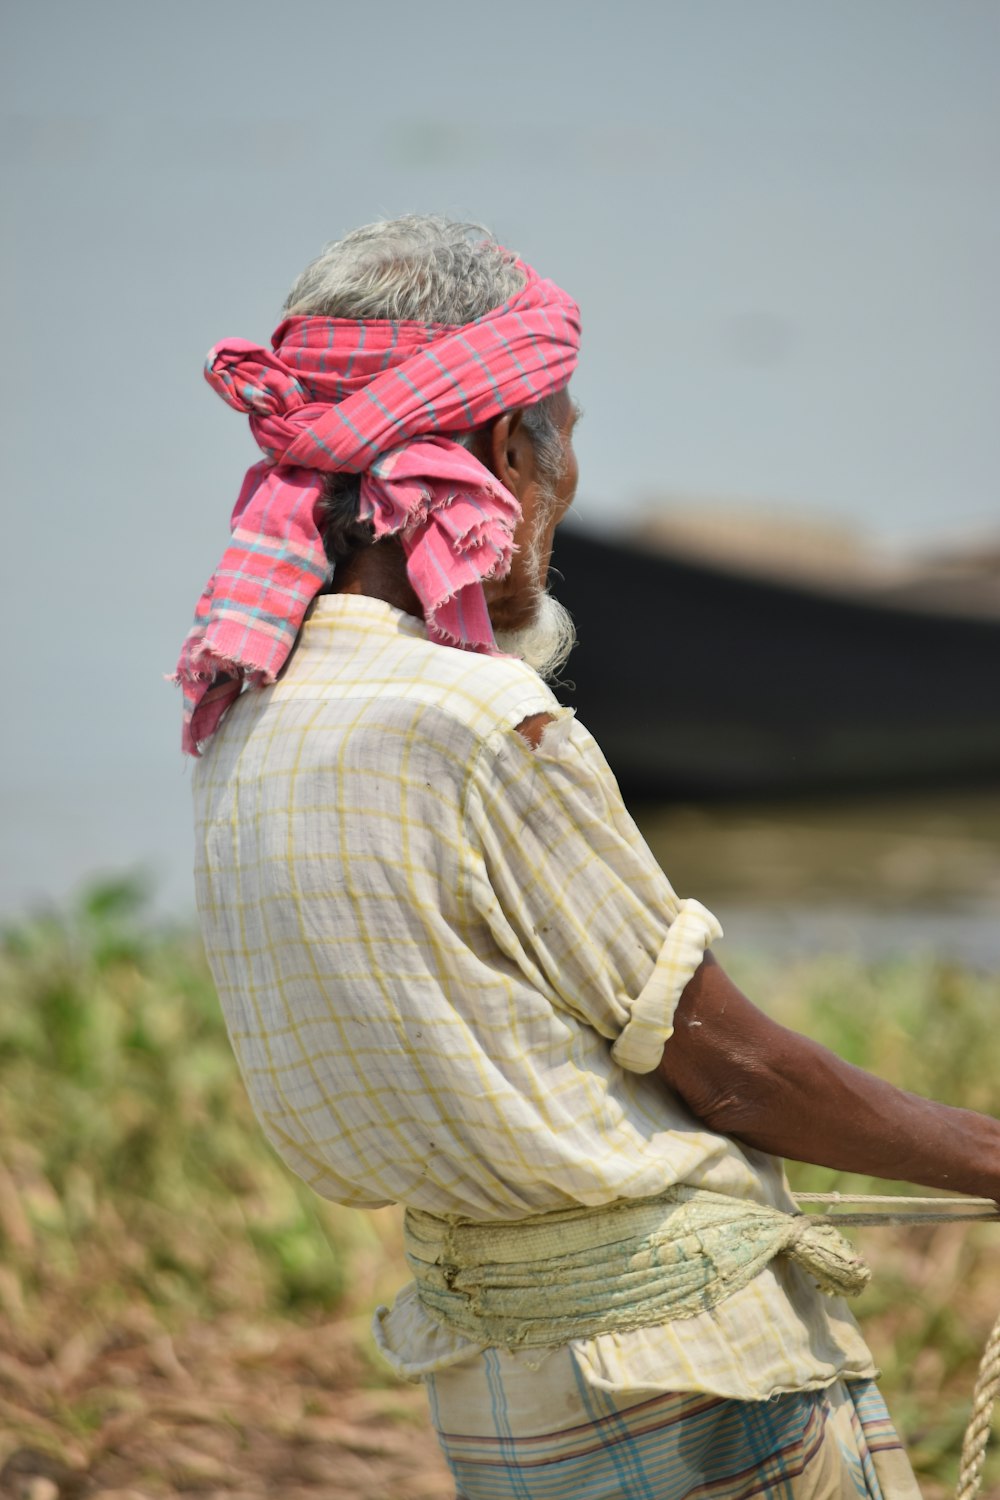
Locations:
column 229, row 1410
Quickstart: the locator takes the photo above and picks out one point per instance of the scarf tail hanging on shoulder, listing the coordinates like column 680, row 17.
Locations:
column 377, row 399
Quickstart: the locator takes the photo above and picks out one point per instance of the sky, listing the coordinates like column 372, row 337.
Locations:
column 780, row 220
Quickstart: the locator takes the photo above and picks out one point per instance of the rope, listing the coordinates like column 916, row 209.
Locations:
column 893, row 1210
column 977, row 1434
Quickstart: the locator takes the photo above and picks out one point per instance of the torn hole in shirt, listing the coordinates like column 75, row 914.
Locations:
column 546, row 733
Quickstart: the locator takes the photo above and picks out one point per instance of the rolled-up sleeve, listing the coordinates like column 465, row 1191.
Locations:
column 572, row 893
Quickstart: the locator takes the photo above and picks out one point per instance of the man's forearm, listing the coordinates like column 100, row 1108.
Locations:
column 760, row 1083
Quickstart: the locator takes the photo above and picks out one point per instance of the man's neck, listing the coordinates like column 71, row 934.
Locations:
column 379, row 571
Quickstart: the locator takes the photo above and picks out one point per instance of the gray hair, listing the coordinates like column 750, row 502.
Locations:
column 422, row 268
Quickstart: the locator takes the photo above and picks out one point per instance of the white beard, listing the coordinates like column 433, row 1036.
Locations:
column 546, row 642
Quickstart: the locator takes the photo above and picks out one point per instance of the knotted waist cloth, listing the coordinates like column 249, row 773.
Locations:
column 579, row 1272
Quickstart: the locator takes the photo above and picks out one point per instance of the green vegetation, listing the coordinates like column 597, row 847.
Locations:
column 136, row 1190
column 128, row 1150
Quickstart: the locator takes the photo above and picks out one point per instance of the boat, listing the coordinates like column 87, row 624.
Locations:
column 702, row 678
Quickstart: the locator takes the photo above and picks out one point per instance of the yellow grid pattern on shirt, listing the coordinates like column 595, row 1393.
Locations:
column 425, row 935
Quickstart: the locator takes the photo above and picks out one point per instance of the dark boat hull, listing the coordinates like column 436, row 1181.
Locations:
column 698, row 681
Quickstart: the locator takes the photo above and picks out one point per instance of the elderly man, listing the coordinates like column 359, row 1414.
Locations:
column 454, row 976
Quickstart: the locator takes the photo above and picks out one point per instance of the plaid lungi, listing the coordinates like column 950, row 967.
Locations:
column 510, row 1432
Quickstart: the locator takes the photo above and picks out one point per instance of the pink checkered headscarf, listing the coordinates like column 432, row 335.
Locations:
column 371, row 398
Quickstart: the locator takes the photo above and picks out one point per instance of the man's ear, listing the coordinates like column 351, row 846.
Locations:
column 511, row 454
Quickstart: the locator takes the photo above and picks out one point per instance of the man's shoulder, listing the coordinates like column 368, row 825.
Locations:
column 406, row 676
column 487, row 693
column 467, row 700
column 422, row 693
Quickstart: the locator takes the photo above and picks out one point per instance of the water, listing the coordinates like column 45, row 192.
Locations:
column 872, row 877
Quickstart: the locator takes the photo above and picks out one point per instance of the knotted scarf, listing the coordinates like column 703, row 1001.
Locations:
column 375, row 398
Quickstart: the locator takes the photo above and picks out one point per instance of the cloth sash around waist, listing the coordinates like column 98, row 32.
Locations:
column 579, row 1272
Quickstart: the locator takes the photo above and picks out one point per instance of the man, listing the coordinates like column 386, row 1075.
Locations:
column 453, row 974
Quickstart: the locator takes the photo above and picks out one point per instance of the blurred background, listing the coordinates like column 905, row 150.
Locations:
column 782, row 225
column 780, row 221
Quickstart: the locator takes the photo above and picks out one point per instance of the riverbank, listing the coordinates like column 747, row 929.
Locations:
column 873, row 878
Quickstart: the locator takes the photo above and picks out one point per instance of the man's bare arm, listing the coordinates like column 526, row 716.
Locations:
column 747, row 1077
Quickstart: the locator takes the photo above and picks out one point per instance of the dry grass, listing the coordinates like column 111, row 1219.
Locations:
column 177, row 1313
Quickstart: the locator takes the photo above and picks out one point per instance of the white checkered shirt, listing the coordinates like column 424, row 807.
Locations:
column 443, row 955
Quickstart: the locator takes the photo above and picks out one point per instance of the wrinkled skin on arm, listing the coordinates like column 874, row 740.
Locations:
column 747, row 1077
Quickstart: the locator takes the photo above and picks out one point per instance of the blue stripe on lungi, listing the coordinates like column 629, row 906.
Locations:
column 680, row 1447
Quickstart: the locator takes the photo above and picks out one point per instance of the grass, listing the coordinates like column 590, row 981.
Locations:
column 127, row 1141
column 139, row 1200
